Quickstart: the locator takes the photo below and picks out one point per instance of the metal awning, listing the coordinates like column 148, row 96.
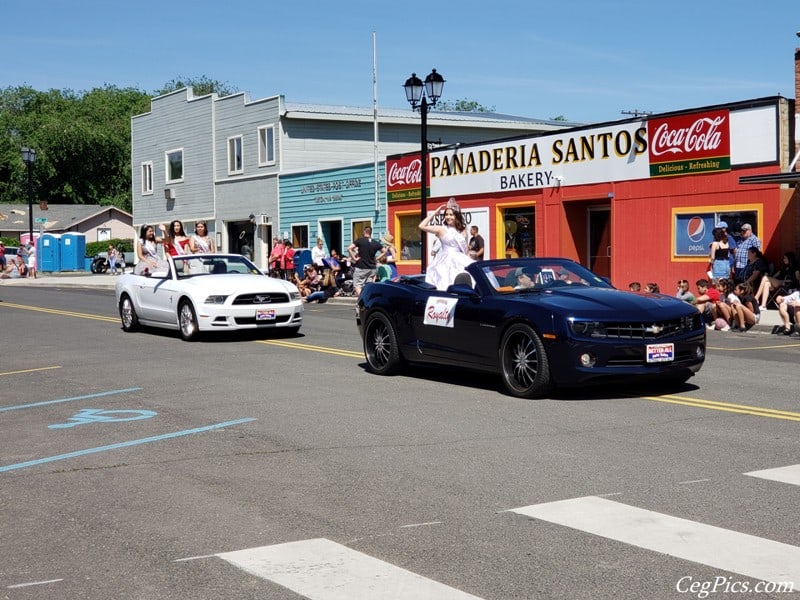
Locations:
column 791, row 177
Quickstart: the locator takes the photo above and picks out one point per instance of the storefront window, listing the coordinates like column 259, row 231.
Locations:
column 694, row 231
column 520, row 231
column 735, row 220
column 300, row 236
column 410, row 242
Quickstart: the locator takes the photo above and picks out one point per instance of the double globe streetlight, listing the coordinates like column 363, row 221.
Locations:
column 422, row 96
column 29, row 157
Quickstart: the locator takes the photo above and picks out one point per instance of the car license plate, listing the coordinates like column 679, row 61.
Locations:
column 660, row 353
column 265, row 315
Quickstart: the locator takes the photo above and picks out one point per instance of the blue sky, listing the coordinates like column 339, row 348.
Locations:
column 584, row 59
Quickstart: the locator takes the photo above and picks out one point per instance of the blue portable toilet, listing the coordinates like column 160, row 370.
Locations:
column 73, row 251
column 48, row 252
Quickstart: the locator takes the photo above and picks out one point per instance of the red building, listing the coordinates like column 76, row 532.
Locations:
column 634, row 200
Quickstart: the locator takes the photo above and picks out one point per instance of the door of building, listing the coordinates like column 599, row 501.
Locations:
column 332, row 234
column 599, row 219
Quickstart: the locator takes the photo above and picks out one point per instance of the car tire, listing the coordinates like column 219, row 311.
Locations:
column 187, row 321
column 100, row 265
column 380, row 345
column 127, row 314
column 524, row 366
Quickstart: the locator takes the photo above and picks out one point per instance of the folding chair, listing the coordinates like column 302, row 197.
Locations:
column 781, row 290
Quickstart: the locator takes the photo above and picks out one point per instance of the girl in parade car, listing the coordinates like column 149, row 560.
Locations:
column 147, row 252
column 452, row 259
column 176, row 242
column 200, row 242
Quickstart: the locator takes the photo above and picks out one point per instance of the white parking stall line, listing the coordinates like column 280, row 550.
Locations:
column 725, row 549
column 320, row 569
column 790, row 474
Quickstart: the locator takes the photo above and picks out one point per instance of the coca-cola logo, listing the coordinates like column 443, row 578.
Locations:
column 704, row 135
column 405, row 174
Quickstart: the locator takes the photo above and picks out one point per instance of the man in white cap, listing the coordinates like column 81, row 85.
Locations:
column 731, row 244
column 749, row 240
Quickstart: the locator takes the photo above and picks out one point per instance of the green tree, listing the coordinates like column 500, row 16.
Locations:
column 82, row 143
column 201, row 86
column 463, row 105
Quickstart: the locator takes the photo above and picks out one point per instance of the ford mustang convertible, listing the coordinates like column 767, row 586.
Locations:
column 540, row 323
column 197, row 293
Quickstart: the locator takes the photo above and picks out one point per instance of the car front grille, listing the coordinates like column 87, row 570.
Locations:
column 261, row 298
column 644, row 331
column 650, row 330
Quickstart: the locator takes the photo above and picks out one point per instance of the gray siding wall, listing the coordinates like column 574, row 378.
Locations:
column 176, row 120
column 256, row 189
column 318, row 144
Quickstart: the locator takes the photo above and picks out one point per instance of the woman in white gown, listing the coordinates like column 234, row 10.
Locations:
column 452, row 259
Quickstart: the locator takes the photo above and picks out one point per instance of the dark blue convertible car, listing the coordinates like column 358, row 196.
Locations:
column 540, row 323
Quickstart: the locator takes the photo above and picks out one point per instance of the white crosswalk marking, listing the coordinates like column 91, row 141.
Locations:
column 320, row 569
column 790, row 474
column 706, row 544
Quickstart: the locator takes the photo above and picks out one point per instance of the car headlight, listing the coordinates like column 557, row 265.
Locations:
column 216, row 299
column 587, row 328
column 295, row 295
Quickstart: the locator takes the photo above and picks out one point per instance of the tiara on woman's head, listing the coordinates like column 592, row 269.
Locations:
column 453, row 204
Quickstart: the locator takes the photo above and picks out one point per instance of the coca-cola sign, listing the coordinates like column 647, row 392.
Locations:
column 403, row 178
column 688, row 144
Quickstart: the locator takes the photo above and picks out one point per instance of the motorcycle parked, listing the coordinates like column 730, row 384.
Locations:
column 100, row 263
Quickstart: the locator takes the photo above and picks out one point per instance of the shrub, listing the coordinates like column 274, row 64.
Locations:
column 124, row 245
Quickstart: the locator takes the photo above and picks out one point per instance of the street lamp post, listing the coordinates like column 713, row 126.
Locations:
column 419, row 97
column 29, row 157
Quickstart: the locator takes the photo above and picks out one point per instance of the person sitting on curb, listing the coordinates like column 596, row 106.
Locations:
column 15, row 268
column 683, row 292
column 706, row 302
column 652, row 288
column 311, row 281
column 327, row 289
column 746, row 312
column 787, row 309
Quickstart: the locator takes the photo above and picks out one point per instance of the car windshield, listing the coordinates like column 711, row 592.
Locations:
column 536, row 274
column 197, row 265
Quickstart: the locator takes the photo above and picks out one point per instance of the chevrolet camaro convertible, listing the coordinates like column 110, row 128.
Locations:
column 540, row 323
column 197, row 293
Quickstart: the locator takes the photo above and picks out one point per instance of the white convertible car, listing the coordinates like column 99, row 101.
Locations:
column 196, row 293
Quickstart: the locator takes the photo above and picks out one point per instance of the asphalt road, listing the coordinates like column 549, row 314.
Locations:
column 138, row 466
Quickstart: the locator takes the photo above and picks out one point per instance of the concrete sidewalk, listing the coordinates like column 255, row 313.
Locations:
column 770, row 319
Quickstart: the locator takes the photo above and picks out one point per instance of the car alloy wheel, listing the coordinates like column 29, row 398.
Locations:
column 187, row 321
column 523, row 361
column 127, row 314
column 380, row 345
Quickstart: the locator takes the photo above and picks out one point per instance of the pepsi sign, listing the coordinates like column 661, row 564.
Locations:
column 693, row 234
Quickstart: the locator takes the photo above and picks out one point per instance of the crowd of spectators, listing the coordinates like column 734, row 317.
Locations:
column 741, row 285
column 20, row 265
